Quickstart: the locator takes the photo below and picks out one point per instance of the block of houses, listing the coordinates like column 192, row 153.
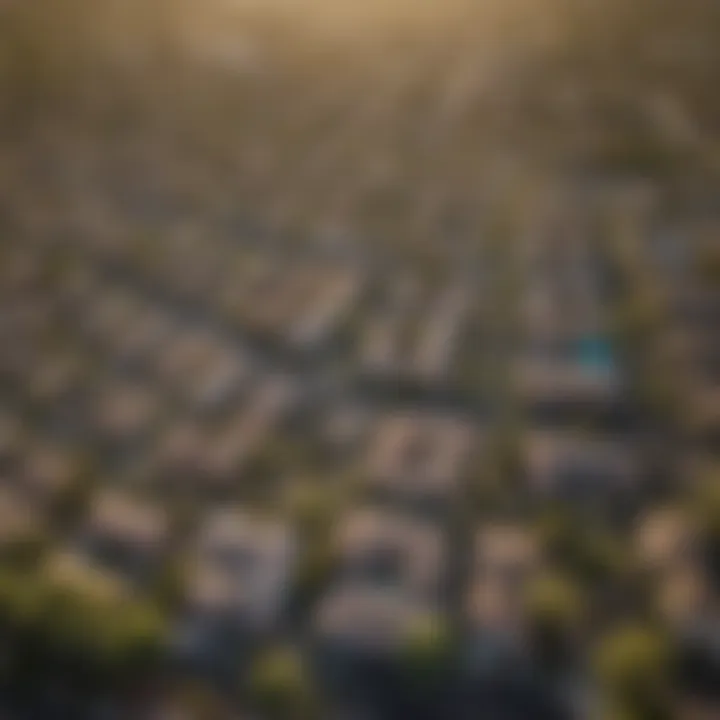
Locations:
column 242, row 434
column 384, row 549
column 699, row 642
column 183, row 356
column 697, row 306
column 78, row 573
column 193, row 272
column 19, row 521
column 704, row 409
column 664, row 540
column 19, row 268
column 47, row 470
column 295, row 306
column 418, row 460
column 16, row 357
column 124, row 413
column 506, row 558
column 113, row 313
column 416, row 334
column 443, row 331
column 54, row 378
column 254, row 275
column 137, row 348
column 272, row 304
column 239, row 584
column 667, row 547
column 552, row 327
column 343, row 428
column 361, row 623
column 125, row 534
column 210, row 455
column 390, row 577
column 226, row 442
column 378, row 343
column 585, row 471
column 272, row 296
column 548, row 384
column 180, row 459
column 683, row 597
column 11, row 439
column 219, row 384
column 566, row 359
column 389, row 322
column 337, row 294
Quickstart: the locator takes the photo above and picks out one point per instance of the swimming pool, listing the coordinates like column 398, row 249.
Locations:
column 596, row 352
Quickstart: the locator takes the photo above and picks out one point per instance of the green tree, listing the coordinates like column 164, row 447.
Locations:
column 708, row 264
column 554, row 611
column 593, row 555
column 73, row 501
column 279, row 686
column 427, row 653
column 313, row 508
column 633, row 666
column 705, row 508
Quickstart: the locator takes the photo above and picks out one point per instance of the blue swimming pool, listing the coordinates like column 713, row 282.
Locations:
column 597, row 353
